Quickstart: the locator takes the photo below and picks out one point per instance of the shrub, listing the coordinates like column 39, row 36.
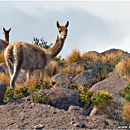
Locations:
column 41, row 42
column 73, row 86
column 39, row 85
column 8, row 94
column 21, row 92
column 41, row 98
column 98, row 78
column 101, row 100
column 86, row 97
column 126, row 93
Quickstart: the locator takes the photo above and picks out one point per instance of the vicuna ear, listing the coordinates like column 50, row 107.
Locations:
column 67, row 24
column 3, row 29
column 58, row 25
column 9, row 29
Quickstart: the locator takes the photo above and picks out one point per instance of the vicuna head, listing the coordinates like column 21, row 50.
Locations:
column 62, row 30
column 6, row 34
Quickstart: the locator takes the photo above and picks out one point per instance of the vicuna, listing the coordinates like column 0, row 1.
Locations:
column 4, row 43
column 26, row 56
column 6, row 34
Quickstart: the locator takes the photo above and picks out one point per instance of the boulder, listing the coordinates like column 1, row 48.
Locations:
column 79, row 63
column 2, row 90
column 112, row 85
column 113, row 74
column 83, row 77
column 121, row 57
column 94, row 112
column 79, row 110
column 61, row 98
column 113, row 50
column 21, row 77
column 62, row 79
column 2, row 70
column 4, row 66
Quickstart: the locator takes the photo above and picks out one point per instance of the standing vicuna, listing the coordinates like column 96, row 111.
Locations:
column 6, row 34
column 4, row 43
column 23, row 55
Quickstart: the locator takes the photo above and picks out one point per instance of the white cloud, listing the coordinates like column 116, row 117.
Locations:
column 96, row 26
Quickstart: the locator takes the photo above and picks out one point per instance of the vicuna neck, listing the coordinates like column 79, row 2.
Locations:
column 7, row 37
column 55, row 50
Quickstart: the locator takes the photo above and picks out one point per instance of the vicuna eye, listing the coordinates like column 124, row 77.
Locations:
column 59, row 31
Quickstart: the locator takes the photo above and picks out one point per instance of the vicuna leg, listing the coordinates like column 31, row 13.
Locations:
column 10, row 67
column 15, row 75
column 42, row 71
column 29, row 74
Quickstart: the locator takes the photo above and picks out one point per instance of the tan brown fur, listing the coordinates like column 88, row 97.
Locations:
column 23, row 55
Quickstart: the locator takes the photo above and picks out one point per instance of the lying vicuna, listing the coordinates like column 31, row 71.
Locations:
column 23, row 55
column 4, row 43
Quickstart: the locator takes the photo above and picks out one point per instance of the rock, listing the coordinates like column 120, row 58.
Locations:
column 77, row 109
column 2, row 90
column 112, row 85
column 83, row 77
column 61, row 98
column 4, row 66
column 113, row 50
column 2, row 70
column 113, row 74
column 104, row 122
column 121, row 57
column 93, row 54
column 38, row 127
column 79, row 63
column 80, row 124
column 21, row 77
column 94, row 112
column 62, row 79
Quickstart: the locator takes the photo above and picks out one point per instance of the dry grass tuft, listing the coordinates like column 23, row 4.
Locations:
column 74, row 56
column 52, row 69
column 123, row 67
column 73, row 71
column 33, row 79
column 126, row 113
column 111, row 57
column 2, row 56
column 5, row 78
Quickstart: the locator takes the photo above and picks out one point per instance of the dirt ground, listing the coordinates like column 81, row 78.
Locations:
column 21, row 114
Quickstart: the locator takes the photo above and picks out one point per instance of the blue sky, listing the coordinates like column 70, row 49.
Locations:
column 94, row 26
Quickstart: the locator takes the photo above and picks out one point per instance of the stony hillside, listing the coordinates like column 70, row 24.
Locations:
column 71, row 94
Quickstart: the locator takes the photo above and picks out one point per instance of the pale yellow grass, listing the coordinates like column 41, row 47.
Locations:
column 5, row 78
column 126, row 112
column 123, row 67
column 33, row 79
column 111, row 57
column 73, row 71
column 52, row 69
column 74, row 56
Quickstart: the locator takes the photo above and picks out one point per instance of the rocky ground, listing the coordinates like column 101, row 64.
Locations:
column 25, row 114
column 21, row 114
